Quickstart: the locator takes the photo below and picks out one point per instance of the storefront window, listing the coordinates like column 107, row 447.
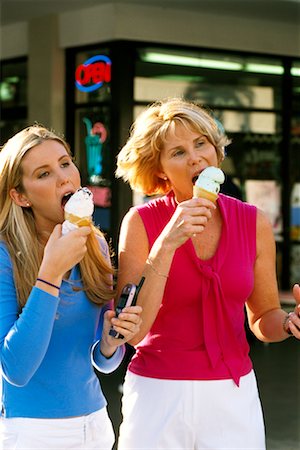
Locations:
column 295, row 176
column 213, row 79
column 13, row 97
column 243, row 93
column 92, row 154
column 13, row 85
column 92, row 128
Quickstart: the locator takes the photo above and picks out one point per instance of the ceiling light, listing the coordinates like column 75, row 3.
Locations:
column 178, row 60
column 295, row 71
column 218, row 64
column 264, row 68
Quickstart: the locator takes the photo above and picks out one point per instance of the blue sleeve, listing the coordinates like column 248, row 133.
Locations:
column 104, row 248
column 25, row 335
column 107, row 365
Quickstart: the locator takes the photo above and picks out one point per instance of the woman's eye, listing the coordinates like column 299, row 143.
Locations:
column 43, row 174
column 178, row 152
column 66, row 164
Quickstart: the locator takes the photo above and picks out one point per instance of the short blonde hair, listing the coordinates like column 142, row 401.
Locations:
column 139, row 160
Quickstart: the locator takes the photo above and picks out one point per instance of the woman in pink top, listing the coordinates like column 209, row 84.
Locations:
column 190, row 384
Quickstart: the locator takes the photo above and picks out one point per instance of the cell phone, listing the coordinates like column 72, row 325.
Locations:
column 128, row 297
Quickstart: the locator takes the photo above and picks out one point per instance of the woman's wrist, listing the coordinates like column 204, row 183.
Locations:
column 151, row 263
column 107, row 350
column 41, row 280
column 50, row 277
column 48, row 283
column 160, row 258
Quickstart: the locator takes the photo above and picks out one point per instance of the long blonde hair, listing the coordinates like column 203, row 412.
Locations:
column 18, row 231
column 139, row 160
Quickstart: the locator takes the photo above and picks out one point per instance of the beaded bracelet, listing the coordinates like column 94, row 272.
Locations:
column 47, row 282
column 150, row 262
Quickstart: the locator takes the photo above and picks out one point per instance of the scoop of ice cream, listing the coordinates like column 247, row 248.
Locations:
column 210, row 179
column 78, row 210
column 81, row 203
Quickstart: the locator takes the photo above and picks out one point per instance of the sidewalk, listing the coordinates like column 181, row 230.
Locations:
column 277, row 368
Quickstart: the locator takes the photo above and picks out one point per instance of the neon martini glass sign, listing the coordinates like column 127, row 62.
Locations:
column 93, row 73
column 96, row 136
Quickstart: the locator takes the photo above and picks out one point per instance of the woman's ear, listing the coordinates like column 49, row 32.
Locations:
column 162, row 175
column 18, row 198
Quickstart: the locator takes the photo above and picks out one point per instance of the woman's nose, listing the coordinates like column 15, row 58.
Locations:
column 62, row 178
column 194, row 157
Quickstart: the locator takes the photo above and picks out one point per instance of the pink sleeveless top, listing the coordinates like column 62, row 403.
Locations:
column 199, row 331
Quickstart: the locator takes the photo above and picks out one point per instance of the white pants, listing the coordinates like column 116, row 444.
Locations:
column 193, row 415
column 85, row 432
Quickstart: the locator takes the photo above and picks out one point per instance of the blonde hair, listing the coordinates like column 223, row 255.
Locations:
column 17, row 225
column 139, row 160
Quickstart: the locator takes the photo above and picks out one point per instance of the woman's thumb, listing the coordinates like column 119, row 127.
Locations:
column 296, row 293
column 56, row 233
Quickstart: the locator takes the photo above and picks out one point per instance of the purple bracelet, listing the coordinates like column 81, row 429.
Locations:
column 47, row 282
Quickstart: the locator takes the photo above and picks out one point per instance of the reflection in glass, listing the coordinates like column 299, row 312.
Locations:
column 248, row 122
column 266, row 195
column 13, row 83
column 214, row 79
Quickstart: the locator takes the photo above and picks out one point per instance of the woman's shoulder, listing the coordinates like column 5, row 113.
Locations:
column 158, row 208
column 235, row 203
column 239, row 214
column 152, row 203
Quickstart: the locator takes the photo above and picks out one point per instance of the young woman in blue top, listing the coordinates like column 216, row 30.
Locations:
column 55, row 304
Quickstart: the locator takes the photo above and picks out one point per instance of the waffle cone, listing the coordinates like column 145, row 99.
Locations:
column 79, row 221
column 200, row 192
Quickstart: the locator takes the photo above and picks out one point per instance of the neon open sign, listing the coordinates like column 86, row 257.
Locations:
column 93, row 73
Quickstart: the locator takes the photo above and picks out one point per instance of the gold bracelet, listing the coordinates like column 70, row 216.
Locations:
column 150, row 262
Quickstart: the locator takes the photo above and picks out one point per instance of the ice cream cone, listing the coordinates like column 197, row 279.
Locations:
column 78, row 210
column 208, row 183
column 199, row 192
column 78, row 221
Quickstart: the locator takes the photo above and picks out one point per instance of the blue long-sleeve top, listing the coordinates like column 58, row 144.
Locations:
column 48, row 349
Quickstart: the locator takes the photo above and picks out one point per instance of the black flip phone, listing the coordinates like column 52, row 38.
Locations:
column 128, row 297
